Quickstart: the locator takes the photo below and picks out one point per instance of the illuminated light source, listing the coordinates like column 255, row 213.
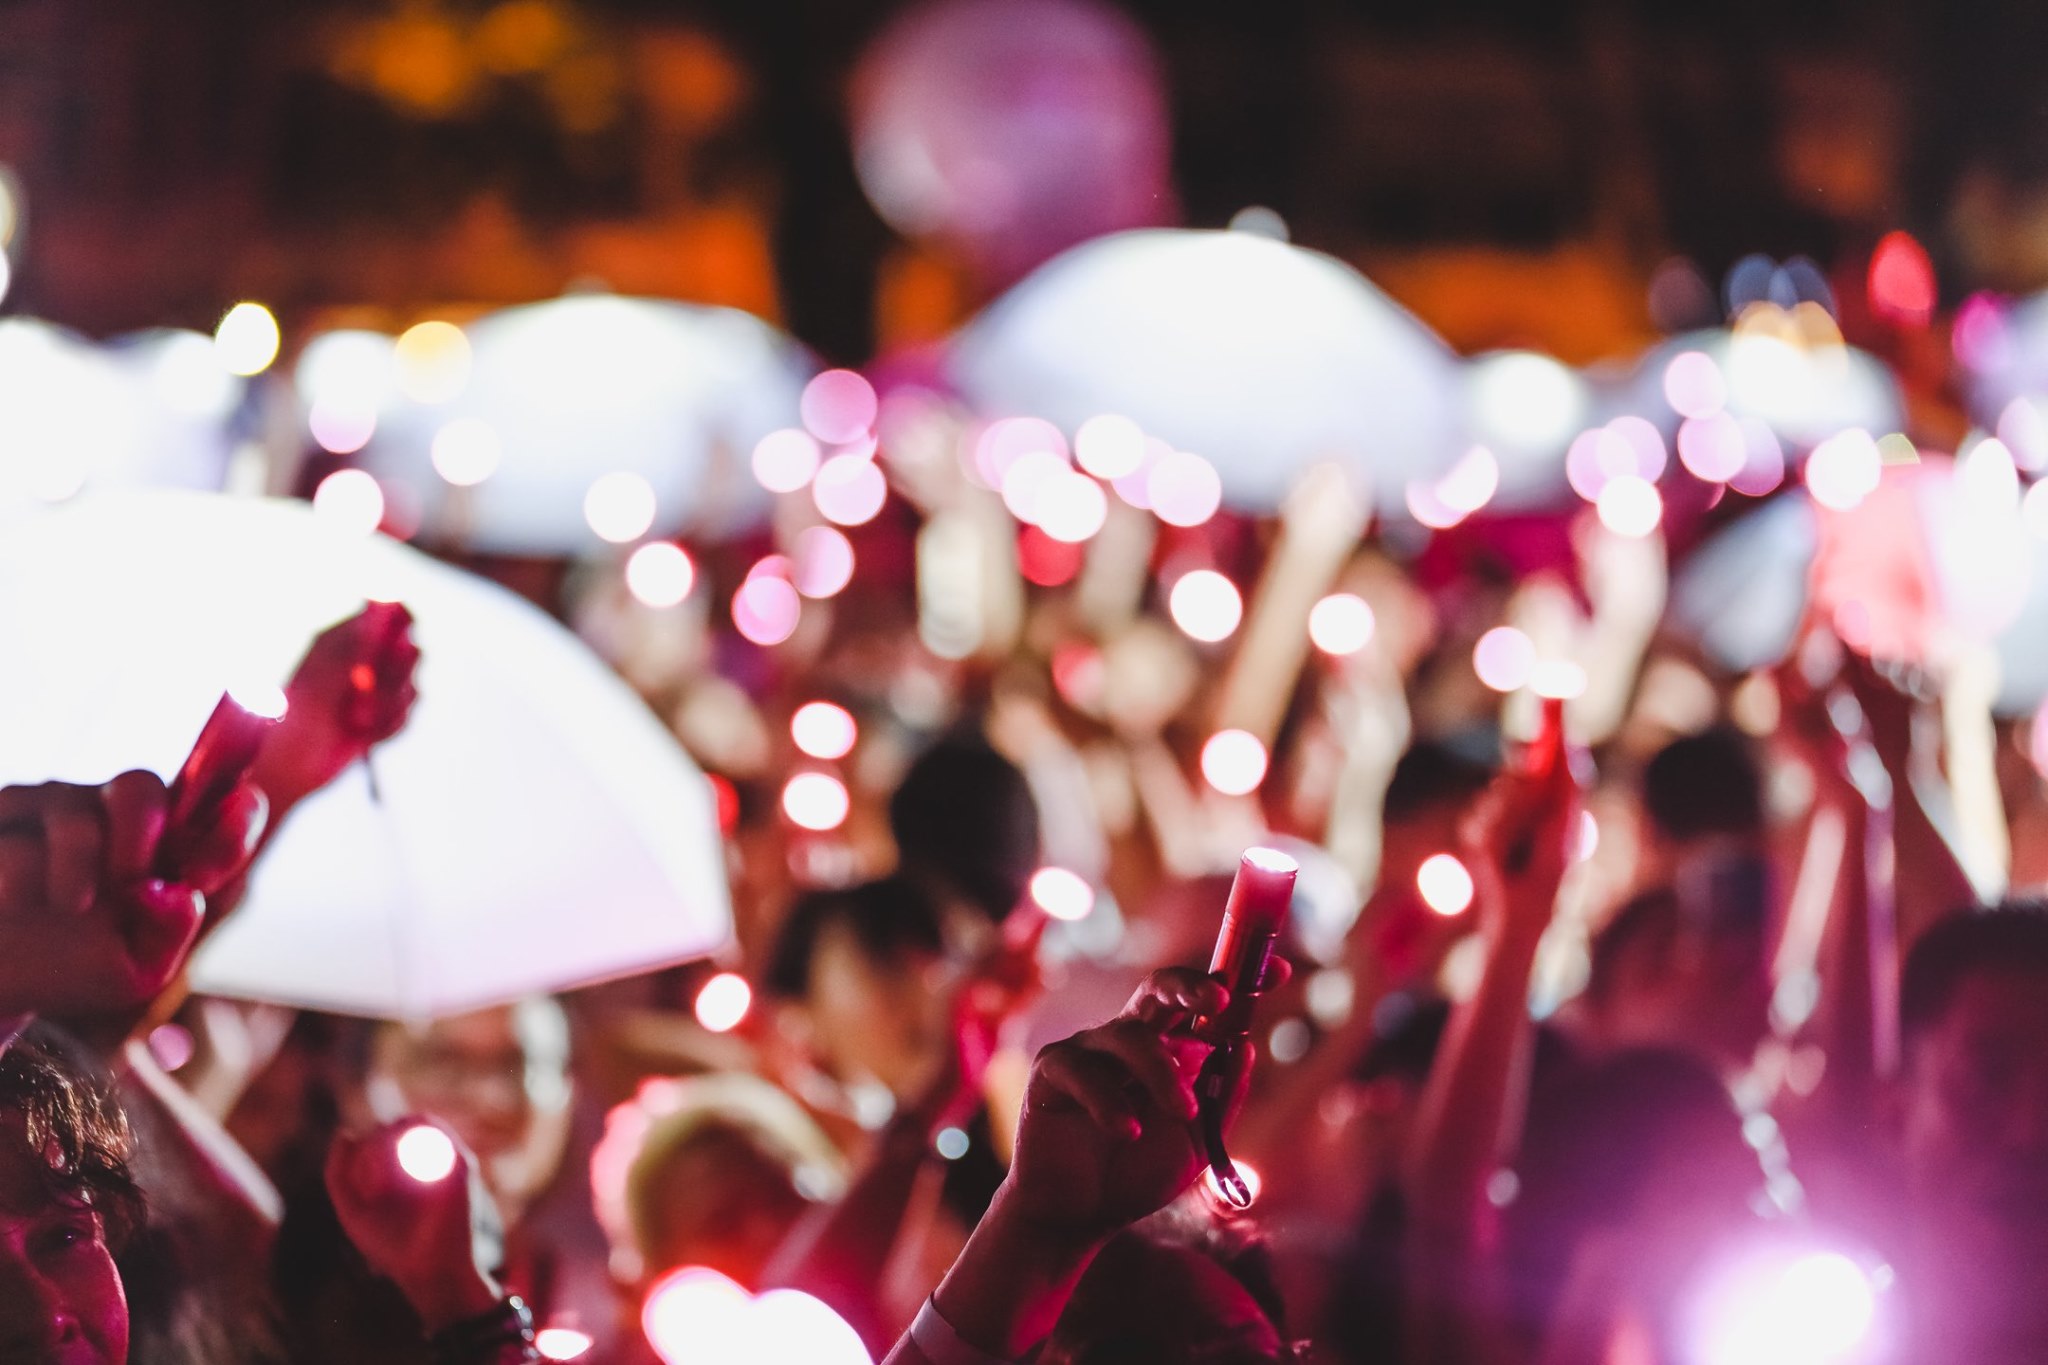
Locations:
column 952, row 1143
column 433, row 361
column 1558, row 679
column 723, row 1002
column 1044, row 561
column 1340, row 624
column 1025, row 480
column 1002, row 443
column 620, row 507
column 172, row 1046
column 562, row 1343
column 1523, row 401
column 1646, row 457
column 823, row 562
column 766, row 609
column 1630, row 506
column 1901, row 280
column 824, row 730
column 849, row 490
column 350, row 500
column 1428, row 508
column 1444, row 885
column 1110, row 447
column 1183, row 489
column 660, row 574
column 1693, row 385
column 1234, row 762
column 1062, row 894
column 1763, row 464
column 246, row 339
column 467, row 451
column 1504, row 658
column 786, row 460
column 696, row 1316
column 349, row 369
column 341, row 431
column 816, row 801
column 1712, row 447
column 838, row 407
column 2025, row 433
column 426, row 1154
column 1844, row 470
column 1220, row 1197
column 1072, row 507
column 261, row 699
column 1589, row 836
column 1813, row 1308
column 187, row 377
column 1205, row 605
column 1471, row 482
column 1989, row 477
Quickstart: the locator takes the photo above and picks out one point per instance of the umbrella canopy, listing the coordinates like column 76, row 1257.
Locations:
column 1259, row 356
column 1804, row 392
column 558, row 396
column 533, row 828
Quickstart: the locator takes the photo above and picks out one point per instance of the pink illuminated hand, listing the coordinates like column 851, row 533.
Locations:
column 352, row 691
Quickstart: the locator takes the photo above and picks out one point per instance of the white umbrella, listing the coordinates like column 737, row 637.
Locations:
column 1803, row 393
column 535, row 827
column 566, row 392
column 1262, row 357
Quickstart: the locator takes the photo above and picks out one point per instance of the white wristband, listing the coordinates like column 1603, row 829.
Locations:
column 937, row 1342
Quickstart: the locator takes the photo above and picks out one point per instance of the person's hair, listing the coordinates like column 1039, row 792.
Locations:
column 1705, row 784
column 1649, row 919
column 1153, row 1294
column 1407, row 1032
column 964, row 816
column 887, row 917
column 1433, row 773
column 77, row 1135
column 2009, row 937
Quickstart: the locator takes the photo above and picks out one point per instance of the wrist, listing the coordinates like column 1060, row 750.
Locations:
column 1014, row 1277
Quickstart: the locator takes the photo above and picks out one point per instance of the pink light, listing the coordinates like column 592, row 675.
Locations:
column 786, row 460
column 1844, row 470
column 1340, row 624
column 1062, row 894
column 1110, row 447
column 2025, row 434
column 816, row 801
column 838, row 407
column 426, row 1154
column 824, row 730
column 341, row 430
column 1763, row 467
column 723, row 1002
column 466, row 451
column 1071, row 508
column 1630, row 506
column 1205, row 605
column 1902, row 280
column 620, row 507
column 1693, row 385
column 350, row 501
column 1471, row 482
column 849, row 490
column 1184, row 489
column 1135, row 487
column 1504, row 658
column 824, row 562
column 260, row 698
column 766, row 609
column 1647, row 457
column 1444, row 885
column 1584, row 468
column 172, row 1046
column 695, row 1316
column 1213, row 1188
column 1427, row 507
column 1780, row 1308
column 773, row 566
column 1026, row 479
column 1979, row 336
column 562, row 1343
column 1712, row 447
column 1589, row 837
column 660, row 574
column 1044, row 561
column 1234, row 762
column 1003, row 443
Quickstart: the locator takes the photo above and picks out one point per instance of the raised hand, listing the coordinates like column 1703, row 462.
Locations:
column 353, row 690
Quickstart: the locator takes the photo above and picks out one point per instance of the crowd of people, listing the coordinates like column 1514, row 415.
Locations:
column 1680, row 1036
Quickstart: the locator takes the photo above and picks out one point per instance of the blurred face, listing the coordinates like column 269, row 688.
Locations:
column 1973, row 1116
column 499, row 1078
column 61, row 1301
column 873, row 1018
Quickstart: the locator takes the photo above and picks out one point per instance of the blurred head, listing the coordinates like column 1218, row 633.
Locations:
column 1686, row 969
column 498, row 1078
column 1971, row 1099
column 965, row 823
column 1432, row 789
column 856, row 969
column 711, row 1171
column 66, row 1200
column 1170, row 1298
column 1701, row 794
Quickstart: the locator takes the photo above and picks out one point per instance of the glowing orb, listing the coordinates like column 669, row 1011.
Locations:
column 1062, row 894
column 786, row 461
column 1444, row 885
column 426, row 1154
column 766, row 609
column 619, row 507
column 350, row 500
column 660, row 574
column 723, row 1002
column 1205, row 605
column 838, row 407
column 1110, row 447
column 1234, row 762
column 816, row 801
column 849, row 490
column 1630, row 506
column 467, row 451
column 1340, row 624
column 246, row 339
column 824, row 730
column 1504, row 658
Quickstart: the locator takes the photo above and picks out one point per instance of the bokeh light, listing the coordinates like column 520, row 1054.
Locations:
column 1902, row 287
column 1558, row 679
column 822, row 562
column 247, row 339
column 1630, row 506
column 467, row 451
column 1205, row 605
column 1071, row 507
column 1110, row 447
column 849, row 490
column 1444, row 884
column 1025, row 479
column 723, row 1002
column 660, row 574
column 1340, row 624
column 1062, row 894
column 815, row 801
column 2025, row 433
column 433, row 361
column 839, row 407
column 340, row 430
column 1763, row 465
column 1234, row 762
column 824, row 730
column 766, row 609
column 350, row 501
column 1002, row 443
column 562, row 1343
column 1046, row 562
column 1254, row 1184
column 426, row 1153
column 1815, row 1308
column 1183, row 489
column 785, row 461
column 1504, row 658
column 1428, row 508
column 1471, row 482
column 620, row 507
column 1523, row 401
column 347, row 370
column 1844, row 470
column 695, row 1316
column 1712, row 447
column 1694, row 386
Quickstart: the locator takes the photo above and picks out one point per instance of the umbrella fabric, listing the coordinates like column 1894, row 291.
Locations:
column 1261, row 357
column 533, row 828
column 1804, row 394
column 588, row 385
